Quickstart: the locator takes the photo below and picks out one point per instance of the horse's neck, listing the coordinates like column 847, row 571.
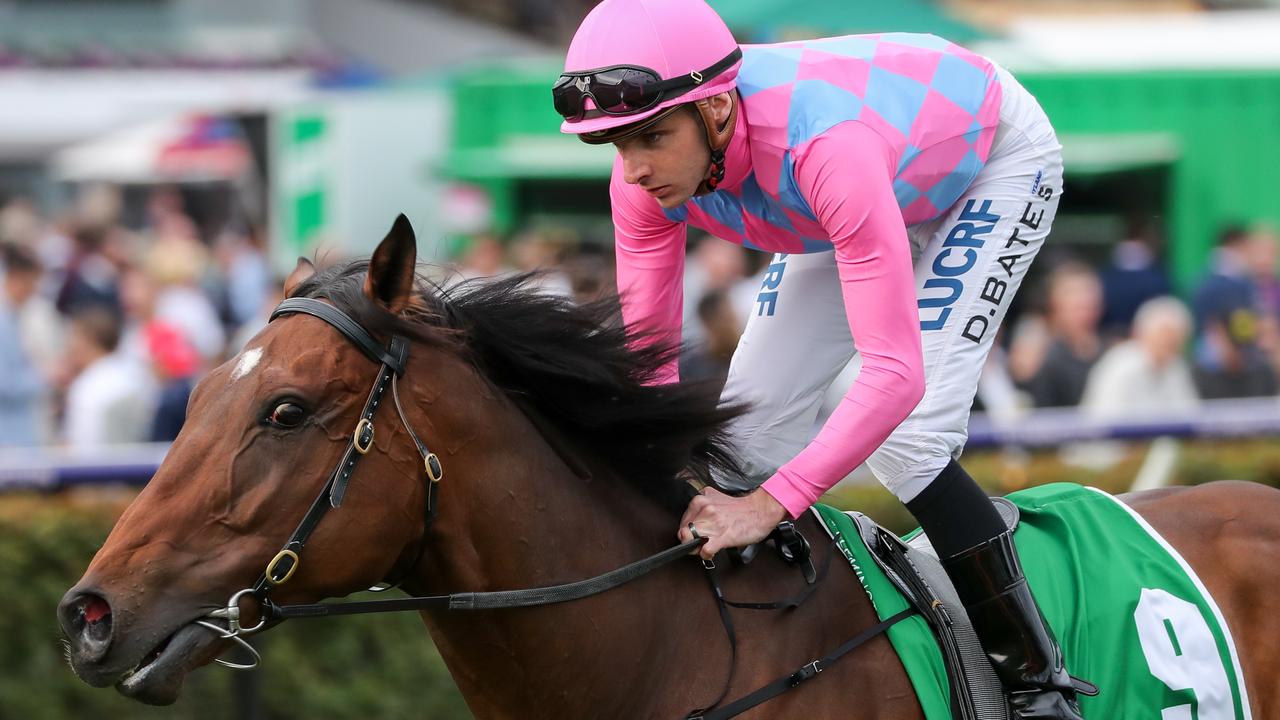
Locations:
column 514, row 515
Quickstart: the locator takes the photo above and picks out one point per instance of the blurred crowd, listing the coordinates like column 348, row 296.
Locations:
column 1116, row 342
column 104, row 329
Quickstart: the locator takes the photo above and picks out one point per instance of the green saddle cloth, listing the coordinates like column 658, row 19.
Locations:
column 1131, row 615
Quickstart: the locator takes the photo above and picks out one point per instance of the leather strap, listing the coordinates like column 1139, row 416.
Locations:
column 394, row 357
column 809, row 671
column 492, row 600
column 792, row 602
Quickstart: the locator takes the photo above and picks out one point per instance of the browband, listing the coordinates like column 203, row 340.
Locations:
column 348, row 327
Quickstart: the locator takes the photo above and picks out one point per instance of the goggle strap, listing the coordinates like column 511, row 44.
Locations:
column 696, row 77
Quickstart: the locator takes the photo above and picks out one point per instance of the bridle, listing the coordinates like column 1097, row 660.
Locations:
column 391, row 362
column 282, row 566
column 285, row 563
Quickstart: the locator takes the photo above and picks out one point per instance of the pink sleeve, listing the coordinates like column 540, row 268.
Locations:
column 650, row 258
column 846, row 174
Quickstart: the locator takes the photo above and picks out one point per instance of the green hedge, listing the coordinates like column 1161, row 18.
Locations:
column 385, row 666
column 357, row 667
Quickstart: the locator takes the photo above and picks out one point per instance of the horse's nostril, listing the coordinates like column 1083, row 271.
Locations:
column 87, row 622
column 96, row 615
column 94, row 608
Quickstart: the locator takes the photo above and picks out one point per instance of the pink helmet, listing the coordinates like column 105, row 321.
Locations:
column 678, row 40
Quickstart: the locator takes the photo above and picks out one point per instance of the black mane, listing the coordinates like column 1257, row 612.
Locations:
column 569, row 366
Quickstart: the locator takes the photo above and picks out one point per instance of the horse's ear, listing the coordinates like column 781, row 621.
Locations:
column 392, row 267
column 300, row 273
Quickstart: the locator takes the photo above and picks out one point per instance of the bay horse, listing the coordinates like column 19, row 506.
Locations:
column 555, row 460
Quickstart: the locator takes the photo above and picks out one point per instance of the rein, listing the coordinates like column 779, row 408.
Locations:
column 392, row 365
column 496, row 600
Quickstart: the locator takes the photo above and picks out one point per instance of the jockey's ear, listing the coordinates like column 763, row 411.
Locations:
column 722, row 107
column 303, row 271
column 391, row 269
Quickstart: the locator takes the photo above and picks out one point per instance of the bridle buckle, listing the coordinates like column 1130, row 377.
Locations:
column 362, row 438
column 435, row 471
column 286, row 554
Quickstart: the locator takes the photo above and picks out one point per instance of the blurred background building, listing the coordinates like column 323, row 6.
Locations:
column 164, row 162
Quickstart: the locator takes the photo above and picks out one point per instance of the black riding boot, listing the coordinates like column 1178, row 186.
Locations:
column 981, row 560
column 1026, row 657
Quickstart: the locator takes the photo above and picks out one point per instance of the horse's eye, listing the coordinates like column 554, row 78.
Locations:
column 287, row 415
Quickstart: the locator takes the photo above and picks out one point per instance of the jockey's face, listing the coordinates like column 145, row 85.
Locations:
column 668, row 160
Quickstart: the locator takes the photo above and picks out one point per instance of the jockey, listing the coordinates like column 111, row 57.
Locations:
column 905, row 184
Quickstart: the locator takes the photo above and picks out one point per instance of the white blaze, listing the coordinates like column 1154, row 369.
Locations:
column 248, row 361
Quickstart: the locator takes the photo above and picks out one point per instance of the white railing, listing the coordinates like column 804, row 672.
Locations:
column 1048, row 427
column 51, row 468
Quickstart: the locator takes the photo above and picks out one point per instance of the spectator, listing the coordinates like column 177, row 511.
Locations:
column 22, row 388
column 174, row 362
column 245, row 333
column 23, row 232
column 167, row 216
column 590, row 271
column 138, row 306
column 998, row 395
column 1133, row 277
column 100, row 247
column 246, row 272
column 1260, row 256
column 176, row 266
column 538, row 251
column 712, row 266
column 1147, row 375
column 1071, row 344
column 110, row 396
column 483, row 258
column 1260, row 252
column 721, row 328
column 22, row 224
column 91, row 277
column 1229, row 361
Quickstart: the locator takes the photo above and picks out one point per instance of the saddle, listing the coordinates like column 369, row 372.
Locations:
column 914, row 569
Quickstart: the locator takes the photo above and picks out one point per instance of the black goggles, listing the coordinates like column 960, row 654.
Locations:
column 626, row 89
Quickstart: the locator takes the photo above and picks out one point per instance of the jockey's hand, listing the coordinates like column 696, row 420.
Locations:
column 730, row 521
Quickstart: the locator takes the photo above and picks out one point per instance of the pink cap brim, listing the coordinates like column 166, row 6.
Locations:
column 607, row 122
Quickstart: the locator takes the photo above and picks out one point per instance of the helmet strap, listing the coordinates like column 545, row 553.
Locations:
column 718, row 138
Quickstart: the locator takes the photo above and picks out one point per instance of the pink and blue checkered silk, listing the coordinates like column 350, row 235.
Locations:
column 935, row 104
